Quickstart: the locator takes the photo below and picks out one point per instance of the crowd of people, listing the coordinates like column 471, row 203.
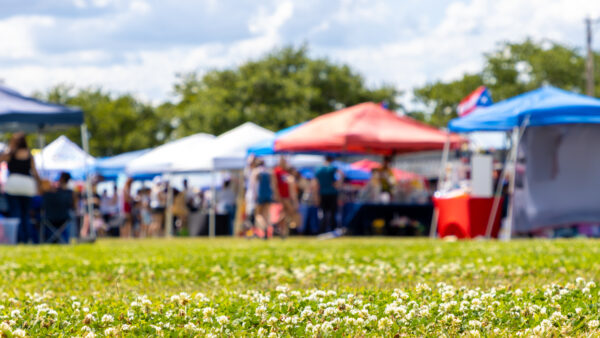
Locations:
column 261, row 202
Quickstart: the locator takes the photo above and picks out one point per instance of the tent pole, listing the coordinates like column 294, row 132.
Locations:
column 511, row 184
column 213, row 205
column 85, row 141
column 497, row 196
column 445, row 155
column 169, row 211
column 41, row 145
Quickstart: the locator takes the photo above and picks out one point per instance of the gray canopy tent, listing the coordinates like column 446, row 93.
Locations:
column 22, row 113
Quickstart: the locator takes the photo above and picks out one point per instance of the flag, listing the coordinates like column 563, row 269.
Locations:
column 480, row 97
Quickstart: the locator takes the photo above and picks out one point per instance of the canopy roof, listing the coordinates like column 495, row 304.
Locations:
column 63, row 155
column 111, row 167
column 267, row 147
column 18, row 112
column 162, row 159
column 544, row 106
column 228, row 151
column 364, row 128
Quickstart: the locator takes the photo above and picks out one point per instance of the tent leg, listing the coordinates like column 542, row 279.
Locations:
column 41, row 145
column 511, row 184
column 213, row 206
column 169, row 211
column 85, row 142
column 445, row 155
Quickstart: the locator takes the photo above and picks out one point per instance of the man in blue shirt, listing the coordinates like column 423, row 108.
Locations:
column 327, row 179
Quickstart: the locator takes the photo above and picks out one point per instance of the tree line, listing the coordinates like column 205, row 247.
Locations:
column 288, row 86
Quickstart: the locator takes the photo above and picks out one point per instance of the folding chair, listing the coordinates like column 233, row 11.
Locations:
column 56, row 217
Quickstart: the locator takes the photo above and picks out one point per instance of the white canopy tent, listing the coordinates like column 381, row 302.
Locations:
column 162, row 159
column 62, row 155
column 228, row 151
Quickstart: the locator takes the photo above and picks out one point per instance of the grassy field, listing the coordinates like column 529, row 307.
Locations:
column 345, row 287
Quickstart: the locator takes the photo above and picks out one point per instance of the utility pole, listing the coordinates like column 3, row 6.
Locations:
column 589, row 64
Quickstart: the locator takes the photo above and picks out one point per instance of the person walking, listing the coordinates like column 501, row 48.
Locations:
column 327, row 179
column 22, row 184
column 263, row 181
column 283, row 194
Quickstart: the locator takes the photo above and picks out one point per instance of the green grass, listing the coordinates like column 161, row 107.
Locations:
column 344, row 287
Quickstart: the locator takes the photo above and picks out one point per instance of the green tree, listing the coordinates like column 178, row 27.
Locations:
column 116, row 124
column 283, row 88
column 513, row 68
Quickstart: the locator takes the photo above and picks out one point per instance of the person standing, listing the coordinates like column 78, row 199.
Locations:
column 262, row 179
column 283, row 195
column 226, row 203
column 22, row 184
column 327, row 179
column 127, row 208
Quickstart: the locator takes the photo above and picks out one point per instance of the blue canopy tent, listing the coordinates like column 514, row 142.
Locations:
column 555, row 156
column 544, row 106
column 21, row 113
column 110, row 167
column 267, row 147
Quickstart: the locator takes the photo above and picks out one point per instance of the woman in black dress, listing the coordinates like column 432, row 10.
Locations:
column 22, row 184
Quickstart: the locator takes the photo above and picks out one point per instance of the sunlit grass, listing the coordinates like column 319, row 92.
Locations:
column 354, row 286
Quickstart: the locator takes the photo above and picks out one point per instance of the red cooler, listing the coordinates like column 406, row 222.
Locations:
column 465, row 216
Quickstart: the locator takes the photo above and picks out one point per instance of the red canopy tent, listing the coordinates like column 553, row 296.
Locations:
column 364, row 128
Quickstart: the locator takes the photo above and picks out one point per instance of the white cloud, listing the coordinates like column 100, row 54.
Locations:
column 406, row 49
column 17, row 35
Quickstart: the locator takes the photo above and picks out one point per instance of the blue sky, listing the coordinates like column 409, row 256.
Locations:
column 138, row 46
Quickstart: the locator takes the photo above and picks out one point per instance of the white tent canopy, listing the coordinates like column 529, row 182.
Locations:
column 163, row 158
column 63, row 155
column 228, row 151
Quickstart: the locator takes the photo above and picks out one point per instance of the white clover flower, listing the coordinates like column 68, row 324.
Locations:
column 593, row 324
column 591, row 285
column 326, row 327
column 208, row 312
column 272, row 321
column 89, row 334
column 107, row 318
column 125, row 327
column 330, row 311
column 474, row 333
column 578, row 310
column 19, row 333
column 475, row 324
column 4, row 326
column 282, row 296
column 222, row 320
column 260, row 310
column 262, row 332
column 585, row 290
column 384, row 323
column 86, row 328
column 76, row 305
column 580, row 280
column 518, row 293
column 281, row 288
column 15, row 313
column 111, row 331
column 85, row 309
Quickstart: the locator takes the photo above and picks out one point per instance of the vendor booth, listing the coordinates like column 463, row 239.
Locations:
column 553, row 166
column 368, row 128
column 21, row 113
